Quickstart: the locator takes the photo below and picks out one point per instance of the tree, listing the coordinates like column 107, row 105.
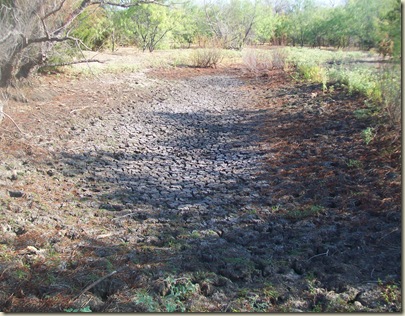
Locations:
column 151, row 25
column 29, row 29
column 265, row 24
column 364, row 17
column 231, row 22
column 390, row 31
column 300, row 17
column 93, row 27
column 186, row 24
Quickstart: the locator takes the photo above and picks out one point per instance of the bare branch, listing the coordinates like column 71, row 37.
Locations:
column 44, row 26
column 55, row 10
column 6, row 37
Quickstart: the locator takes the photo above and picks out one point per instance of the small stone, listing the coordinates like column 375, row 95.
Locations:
column 16, row 194
column 32, row 249
column 358, row 304
column 14, row 177
column 50, row 173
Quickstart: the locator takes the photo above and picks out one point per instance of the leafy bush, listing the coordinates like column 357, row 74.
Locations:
column 358, row 80
column 179, row 291
column 206, row 57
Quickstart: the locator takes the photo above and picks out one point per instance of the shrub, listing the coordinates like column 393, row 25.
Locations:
column 314, row 73
column 390, row 86
column 206, row 57
column 279, row 58
column 256, row 61
column 260, row 61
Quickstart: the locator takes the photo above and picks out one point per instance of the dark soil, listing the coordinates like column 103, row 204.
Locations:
column 197, row 190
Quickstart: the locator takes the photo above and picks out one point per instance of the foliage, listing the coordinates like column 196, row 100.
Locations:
column 180, row 290
column 353, row 163
column 368, row 135
column 380, row 85
column 390, row 292
column 265, row 24
column 151, row 24
column 79, row 310
column 186, row 26
column 147, row 300
column 93, row 28
column 313, row 210
column 390, row 26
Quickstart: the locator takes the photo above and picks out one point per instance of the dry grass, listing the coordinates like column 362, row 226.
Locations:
column 206, row 57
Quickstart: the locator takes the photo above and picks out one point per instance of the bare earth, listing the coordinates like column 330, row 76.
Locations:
column 197, row 190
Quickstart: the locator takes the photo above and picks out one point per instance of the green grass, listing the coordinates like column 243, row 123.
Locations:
column 180, row 290
column 353, row 163
column 368, row 135
column 313, row 210
column 78, row 310
column 379, row 84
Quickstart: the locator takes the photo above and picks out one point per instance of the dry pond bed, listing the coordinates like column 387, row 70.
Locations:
column 195, row 190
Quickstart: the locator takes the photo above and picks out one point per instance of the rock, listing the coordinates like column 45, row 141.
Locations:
column 16, row 194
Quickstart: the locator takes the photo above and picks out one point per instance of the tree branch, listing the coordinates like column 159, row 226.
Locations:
column 127, row 5
column 54, row 11
column 29, row 41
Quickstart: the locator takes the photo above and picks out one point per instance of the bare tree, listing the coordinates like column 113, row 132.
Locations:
column 29, row 29
column 232, row 22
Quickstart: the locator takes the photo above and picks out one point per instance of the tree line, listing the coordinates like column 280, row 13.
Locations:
column 32, row 32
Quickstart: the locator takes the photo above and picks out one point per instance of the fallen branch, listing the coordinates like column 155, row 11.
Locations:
column 393, row 231
column 77, row 110
column 73, row 63
column 321, row 254
column 122, row 216
column 11, row 119
column 97, row 282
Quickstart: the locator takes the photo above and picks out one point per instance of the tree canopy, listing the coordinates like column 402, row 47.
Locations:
column 29, row 30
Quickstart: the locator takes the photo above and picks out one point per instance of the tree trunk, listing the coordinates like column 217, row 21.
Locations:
column 6, row 71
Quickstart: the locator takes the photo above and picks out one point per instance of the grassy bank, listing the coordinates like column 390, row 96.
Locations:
column 360, row 72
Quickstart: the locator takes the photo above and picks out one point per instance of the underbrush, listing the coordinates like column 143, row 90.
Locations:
column 258, row 61
column 363, row 73
column 358, row 73
column 206, row 57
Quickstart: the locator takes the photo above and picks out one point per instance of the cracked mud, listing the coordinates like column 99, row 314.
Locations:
column 239, row 189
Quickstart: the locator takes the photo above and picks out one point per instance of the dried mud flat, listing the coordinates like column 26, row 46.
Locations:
column 196, row 190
